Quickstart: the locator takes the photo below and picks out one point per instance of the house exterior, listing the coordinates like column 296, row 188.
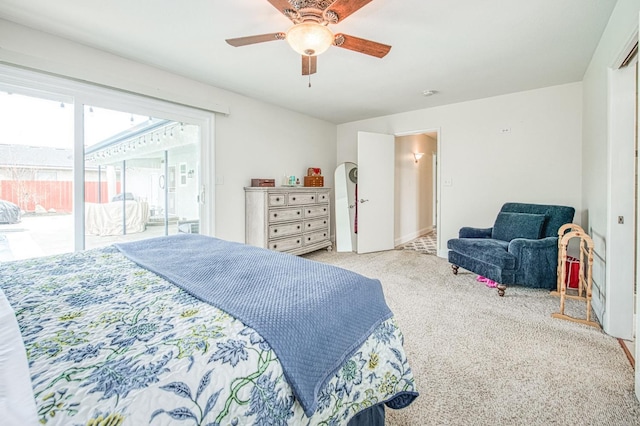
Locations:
column 42, row 176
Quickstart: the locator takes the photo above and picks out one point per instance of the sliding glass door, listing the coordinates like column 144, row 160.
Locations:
column 141, row 177
column 36, row 175
column 83, row 166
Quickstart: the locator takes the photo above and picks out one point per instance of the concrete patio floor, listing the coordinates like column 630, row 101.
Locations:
column 42, row 235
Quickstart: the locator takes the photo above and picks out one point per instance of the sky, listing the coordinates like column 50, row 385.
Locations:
column 40, row 122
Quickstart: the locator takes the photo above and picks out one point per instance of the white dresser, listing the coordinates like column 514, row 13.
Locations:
column 289, row 219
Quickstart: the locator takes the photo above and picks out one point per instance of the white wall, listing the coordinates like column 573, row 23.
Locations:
column 255, row 139
column 262, row 141
column 413, row 187
column 538, row 160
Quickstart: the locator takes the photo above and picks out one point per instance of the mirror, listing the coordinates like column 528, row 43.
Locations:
column 346, row 180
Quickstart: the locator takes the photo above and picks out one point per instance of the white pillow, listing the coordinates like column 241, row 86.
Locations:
column 17, row 404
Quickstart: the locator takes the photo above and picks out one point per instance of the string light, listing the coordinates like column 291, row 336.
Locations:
column 158, row 139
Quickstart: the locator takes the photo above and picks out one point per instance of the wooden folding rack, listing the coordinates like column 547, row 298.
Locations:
column 585, row 276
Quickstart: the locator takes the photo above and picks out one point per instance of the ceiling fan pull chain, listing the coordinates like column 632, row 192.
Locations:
column 309, row 58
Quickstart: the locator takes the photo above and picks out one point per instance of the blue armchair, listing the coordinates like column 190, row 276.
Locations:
column 521, row 247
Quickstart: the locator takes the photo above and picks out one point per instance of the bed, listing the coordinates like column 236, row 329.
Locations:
column 109, row 342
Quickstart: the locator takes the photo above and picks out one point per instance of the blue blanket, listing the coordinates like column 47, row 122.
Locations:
column 313, row 315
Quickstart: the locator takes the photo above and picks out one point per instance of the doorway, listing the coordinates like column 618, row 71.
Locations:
column 417, row 190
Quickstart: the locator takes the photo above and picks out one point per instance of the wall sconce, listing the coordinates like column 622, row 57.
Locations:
column 418, row 155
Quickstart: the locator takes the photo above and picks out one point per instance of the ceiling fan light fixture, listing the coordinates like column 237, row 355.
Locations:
column 309, row 38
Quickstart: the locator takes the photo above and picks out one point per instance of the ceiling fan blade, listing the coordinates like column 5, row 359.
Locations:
column 344, row 8
column 309, row 64
column 243, row 41
column 361, row 45
column 281, row 5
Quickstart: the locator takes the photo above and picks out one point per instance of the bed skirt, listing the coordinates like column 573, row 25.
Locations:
column 372, row 416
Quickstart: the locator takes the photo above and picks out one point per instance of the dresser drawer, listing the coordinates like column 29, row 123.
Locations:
column 277, row 200
column 316, row 224
column 323, row 197
column 302, row 198
column 282, row 230
column 315, row 237
column 285, row 244
column 281, row 215
column 316, row 211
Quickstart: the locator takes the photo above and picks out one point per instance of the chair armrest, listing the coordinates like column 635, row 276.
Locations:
column 468, row 232
column 518, row 244
column 537, row 261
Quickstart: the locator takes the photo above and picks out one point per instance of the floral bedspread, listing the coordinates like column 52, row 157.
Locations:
column 110, row 343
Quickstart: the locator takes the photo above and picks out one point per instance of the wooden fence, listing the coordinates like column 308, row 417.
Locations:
column 57, row 195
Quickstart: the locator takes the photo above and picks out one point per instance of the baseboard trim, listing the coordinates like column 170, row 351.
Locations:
column 626, row 351
column 413, row 235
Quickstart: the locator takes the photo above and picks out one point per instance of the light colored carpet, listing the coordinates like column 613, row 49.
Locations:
column 425, row 244
column 480, row 359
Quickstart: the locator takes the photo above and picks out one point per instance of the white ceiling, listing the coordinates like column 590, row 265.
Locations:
column 463, row 49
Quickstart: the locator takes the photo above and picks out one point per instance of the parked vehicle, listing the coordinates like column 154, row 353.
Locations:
column 9, row 212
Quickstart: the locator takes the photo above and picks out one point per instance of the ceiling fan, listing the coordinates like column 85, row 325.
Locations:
column 310, row 35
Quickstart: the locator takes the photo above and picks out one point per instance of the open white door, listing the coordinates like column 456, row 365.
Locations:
column 376, row 171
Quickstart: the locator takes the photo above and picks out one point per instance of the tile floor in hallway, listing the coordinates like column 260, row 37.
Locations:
column 426, row 244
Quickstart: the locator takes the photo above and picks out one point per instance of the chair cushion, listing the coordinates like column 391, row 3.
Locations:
column 556, row 215
column 517, row 225
column 488, row 250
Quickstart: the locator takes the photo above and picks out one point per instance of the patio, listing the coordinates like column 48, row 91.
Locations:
column 42, row 235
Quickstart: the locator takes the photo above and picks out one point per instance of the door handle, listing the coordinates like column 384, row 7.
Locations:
column 362, row 200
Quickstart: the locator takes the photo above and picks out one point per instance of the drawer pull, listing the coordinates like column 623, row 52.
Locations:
column 298, row 212
column 275, row 230
column 297, row 241
column 275, row 246
column 308, row 238
column 324, row 235
column 278, row 199
column 294, row 198
column 309, row 211
column 324, row 209
column 325, row 222
column 298, row 226
column 275, row 215
column 312, row 198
